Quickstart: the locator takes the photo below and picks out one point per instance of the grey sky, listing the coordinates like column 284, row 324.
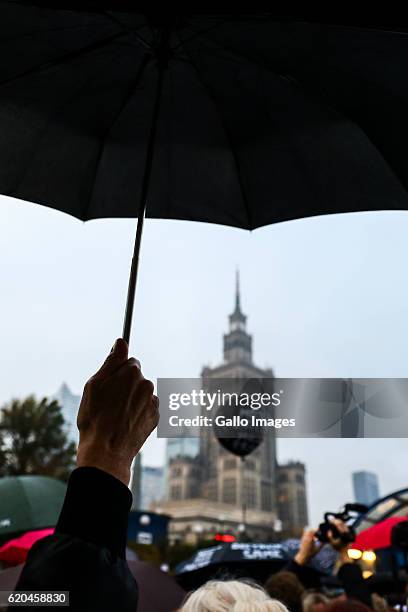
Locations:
column 325, row 297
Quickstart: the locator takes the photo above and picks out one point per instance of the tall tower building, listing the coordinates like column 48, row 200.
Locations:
column 135, row 482
column 217, row 491
column 226, row 478
column 69, row 403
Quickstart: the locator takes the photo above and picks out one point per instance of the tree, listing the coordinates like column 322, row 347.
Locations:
column 33, row 439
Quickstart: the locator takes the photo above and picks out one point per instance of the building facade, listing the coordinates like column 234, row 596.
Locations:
column 213, row 490
column 292, row 498
column 69, row 403
column 366, row 488
column 152, row 486
column 136, row 482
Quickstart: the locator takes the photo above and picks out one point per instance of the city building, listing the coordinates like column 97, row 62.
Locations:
column 136, row 482
column 212, row 490
column 181, row 447
column 69, row 403
column 292, row 498
column 152, row 486
column 366, row 488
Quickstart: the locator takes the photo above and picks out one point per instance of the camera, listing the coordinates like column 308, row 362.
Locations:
column 349, row 511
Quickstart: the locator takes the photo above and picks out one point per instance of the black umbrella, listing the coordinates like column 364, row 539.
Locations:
column 236, row 560
column 157, row 590
column 239, row 119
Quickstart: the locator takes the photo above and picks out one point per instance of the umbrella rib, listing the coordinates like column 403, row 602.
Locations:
column 242, row 56
column 77, row 92
column 195, row 33
column 128, row 97
column 46, row 30
column 118, row 22
column 268, row 68
column 328, row 103
column 65, row 58
column 229, row 139
column 306, row 91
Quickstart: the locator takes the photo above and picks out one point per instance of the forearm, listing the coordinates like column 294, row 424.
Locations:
column 96, row 509
column 86, row 554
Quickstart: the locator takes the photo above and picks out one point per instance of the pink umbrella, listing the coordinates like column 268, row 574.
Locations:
column 15, row 551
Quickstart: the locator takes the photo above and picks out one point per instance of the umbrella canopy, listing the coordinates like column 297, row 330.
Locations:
column 157, row 590
column 15, row 551
column 29, row 503
column 257, row 561
column 377, row 536
column 239, row 119
column 262, row 118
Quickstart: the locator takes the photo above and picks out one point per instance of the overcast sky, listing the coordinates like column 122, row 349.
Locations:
column 325, row 297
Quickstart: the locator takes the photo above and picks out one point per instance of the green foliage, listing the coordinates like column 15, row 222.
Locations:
column 33, row 439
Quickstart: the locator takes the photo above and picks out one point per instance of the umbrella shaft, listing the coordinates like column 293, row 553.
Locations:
column 127, row 325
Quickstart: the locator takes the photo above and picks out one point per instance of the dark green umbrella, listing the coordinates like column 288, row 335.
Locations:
column 29, row 502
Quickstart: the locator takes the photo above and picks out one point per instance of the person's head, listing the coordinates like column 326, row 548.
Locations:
column 379, row 604
column 230, row 596
column 349, row 605
column 287, row 588
column 314, row 602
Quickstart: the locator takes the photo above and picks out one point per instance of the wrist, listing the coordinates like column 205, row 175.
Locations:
column 343, row 556
column 111, row 464
column 301, row 558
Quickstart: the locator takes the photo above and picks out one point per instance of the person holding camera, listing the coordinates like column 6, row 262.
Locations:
column 350, row 575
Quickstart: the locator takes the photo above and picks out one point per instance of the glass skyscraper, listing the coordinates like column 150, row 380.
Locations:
column 366, row 489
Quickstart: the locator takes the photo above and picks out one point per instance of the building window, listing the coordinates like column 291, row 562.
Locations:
column 230, row 464
column 299, row 478
column 229, row 493
column 175, row 492
column 302, row 509
column 266, row 502
column 250, row 497
column 283, row 477
column 176, row 472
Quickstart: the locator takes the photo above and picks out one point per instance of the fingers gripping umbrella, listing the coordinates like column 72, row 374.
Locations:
column 238, row 119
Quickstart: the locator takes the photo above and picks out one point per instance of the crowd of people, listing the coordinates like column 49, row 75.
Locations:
column 86, row 554
column 295, row 588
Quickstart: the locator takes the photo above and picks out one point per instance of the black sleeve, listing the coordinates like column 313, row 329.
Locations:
column 86, row 554
column 354, row 584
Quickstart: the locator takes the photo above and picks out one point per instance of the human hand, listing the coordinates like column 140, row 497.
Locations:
column 309, row 547
column 118, row 412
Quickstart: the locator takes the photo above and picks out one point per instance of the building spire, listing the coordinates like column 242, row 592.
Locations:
column 237, row 343
column 237, row 292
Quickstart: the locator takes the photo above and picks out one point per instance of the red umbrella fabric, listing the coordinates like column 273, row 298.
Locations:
column 379, row 535
column 15, row 551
